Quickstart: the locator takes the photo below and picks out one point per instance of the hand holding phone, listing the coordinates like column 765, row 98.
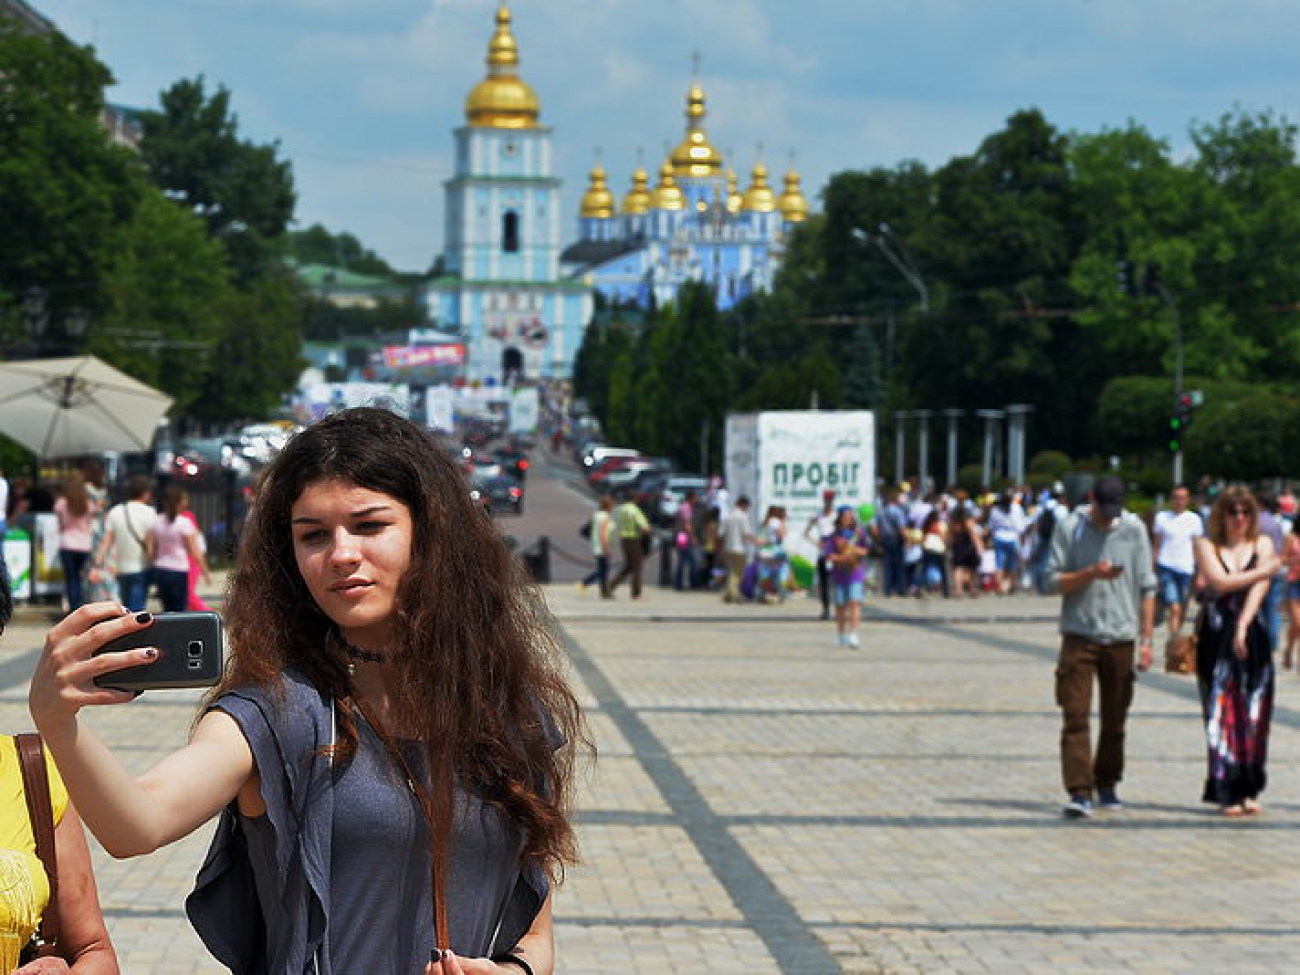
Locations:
column 191, row 653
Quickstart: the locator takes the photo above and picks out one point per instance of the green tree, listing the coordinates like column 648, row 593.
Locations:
column 164, row 290
column 66, row 194
column 255, row 359
column 316, row 245
column 243, row 192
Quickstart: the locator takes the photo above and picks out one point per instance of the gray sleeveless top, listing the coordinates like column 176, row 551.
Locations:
column 338, row 868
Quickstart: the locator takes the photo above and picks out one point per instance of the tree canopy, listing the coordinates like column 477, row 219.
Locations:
column 1018, row 248
column 173, row 251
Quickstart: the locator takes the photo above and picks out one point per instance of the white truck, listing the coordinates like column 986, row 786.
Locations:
column 790, row 457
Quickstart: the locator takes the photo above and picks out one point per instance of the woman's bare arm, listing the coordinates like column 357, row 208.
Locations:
column 129, row 815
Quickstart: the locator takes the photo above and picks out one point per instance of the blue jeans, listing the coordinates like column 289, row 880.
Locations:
column 1272, row 607
column 894, row 582
column 133, row 587
column 599, row 574
column 173, row 589
column 687, row 567
column 73, row 562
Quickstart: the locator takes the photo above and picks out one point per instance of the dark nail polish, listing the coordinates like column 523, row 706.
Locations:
column 143, row 617
column 151, row 652
column 435, row 956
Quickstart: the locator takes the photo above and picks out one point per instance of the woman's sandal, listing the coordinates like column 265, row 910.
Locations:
column 1235, row 811
column 1252, row 807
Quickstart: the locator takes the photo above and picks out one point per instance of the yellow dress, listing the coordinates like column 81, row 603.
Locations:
column 24, row 888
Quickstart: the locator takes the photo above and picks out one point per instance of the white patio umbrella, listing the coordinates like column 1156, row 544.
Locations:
column 80, row 405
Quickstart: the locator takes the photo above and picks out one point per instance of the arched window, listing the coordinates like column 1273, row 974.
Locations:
column 510, row 232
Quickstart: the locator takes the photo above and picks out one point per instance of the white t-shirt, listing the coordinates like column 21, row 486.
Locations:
column 130, row 523
column 1174, row 536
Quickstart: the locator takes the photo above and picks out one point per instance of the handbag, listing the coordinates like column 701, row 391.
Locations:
column 40, row 810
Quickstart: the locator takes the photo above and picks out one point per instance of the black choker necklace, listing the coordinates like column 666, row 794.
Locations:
column 355, row 652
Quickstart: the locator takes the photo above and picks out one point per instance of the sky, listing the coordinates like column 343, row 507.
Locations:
column 362, row 95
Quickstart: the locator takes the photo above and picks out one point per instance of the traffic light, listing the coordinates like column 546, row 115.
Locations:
column 1180, row 419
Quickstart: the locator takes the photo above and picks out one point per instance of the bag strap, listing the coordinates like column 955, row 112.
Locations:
column 40, row 810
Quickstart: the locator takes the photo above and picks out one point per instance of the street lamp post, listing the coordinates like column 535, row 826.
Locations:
column 38, row 318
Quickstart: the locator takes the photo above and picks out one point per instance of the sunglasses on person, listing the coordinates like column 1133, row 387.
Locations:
column 1237, row 511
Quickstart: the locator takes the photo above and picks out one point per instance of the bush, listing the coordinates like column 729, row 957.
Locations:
column 1155, row 480
column 1051, row 463
column 971, row 477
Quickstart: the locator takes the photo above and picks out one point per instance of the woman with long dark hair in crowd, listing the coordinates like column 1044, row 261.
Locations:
column 1234, row 664
column 390, row 748
column 75, row 511
column 174, row 544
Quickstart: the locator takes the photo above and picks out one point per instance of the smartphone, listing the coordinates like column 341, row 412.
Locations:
column 190, row 654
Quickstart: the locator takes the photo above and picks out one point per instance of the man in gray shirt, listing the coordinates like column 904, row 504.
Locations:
column 1100, row 563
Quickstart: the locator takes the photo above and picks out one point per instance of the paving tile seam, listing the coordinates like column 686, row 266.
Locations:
column 1093, row 930
column 766, row 910
column 1176, row 685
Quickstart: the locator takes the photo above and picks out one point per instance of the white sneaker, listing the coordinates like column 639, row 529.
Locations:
column 841, row 640
column 853, row 640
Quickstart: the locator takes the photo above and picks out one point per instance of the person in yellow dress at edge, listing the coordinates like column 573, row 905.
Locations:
column 84, row 945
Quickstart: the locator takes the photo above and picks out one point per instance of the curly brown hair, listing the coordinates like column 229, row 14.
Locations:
column 1233, row 496
column 479, row 669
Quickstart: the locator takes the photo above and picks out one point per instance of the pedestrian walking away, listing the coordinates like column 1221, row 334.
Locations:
column 634, row 537
column 1101, row 565
column 1176, row 531
column 737, row 539
column 601, row 535
column 686, row 542
column 390, row 748
column 122, row 549
column 1234, row 666
column 887, row 530
column 819, row 529
column 172, row 545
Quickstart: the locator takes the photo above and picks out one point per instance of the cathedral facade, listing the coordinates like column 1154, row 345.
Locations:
column 693, row 224
column 502, row 292
column 517, row 302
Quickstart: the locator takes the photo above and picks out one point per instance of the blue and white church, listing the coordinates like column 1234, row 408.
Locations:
column 693, row 224
column 502, row 293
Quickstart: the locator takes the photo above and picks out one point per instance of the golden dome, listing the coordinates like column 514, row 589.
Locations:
column 792, row 204
column 696, row 156
column 667, row 194
column 598, row 201
column 502, row 100
column 638, row 200
column 759, row 198
column 734, row 200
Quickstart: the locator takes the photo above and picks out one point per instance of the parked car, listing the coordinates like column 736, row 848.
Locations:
column 204, row 459
column 598, row 453
column 513, row 461
column 498, row 493
column 603, row 468
column 674, row 489
column 626, row 475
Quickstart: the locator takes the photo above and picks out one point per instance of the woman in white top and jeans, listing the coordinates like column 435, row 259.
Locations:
column 170, row 544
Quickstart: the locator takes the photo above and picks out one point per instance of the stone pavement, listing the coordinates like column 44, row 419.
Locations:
column 765, row 801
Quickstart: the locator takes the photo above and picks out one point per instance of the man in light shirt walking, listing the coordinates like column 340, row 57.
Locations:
column 1176, row 530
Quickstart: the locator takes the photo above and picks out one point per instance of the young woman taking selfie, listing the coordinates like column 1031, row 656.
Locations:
column 390, row 751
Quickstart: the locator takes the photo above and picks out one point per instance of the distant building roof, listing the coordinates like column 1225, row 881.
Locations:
column 26, row 15
column 589, row 252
